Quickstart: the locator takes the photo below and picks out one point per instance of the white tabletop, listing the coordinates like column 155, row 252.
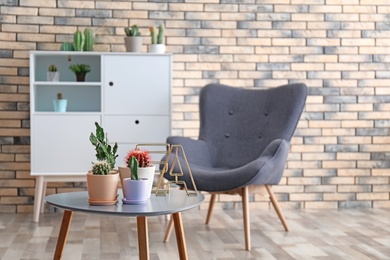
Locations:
column 175, row 201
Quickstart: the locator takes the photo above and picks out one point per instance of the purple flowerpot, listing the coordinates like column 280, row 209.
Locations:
column 135, row 191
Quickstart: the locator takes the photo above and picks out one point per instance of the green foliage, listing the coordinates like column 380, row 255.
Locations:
column 67, row 46
column 52, row 68
column 133, row 165
column 89, row 39
column 133, row 31
column 80, row 68
column 101, row 168
column 78, row 41
column 103, row 149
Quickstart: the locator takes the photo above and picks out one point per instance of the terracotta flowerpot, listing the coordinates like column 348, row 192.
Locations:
column 102, row 189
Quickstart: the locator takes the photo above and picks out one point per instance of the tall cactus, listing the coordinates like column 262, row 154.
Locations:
column 153, row 34
column 160, row 36
column 89, row 37
column 78, row 41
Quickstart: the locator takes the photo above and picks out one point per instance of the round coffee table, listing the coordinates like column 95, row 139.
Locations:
column 173, row 203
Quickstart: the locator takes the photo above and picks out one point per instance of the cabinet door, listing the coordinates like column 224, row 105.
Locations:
column 60, row 143
column 138, row 84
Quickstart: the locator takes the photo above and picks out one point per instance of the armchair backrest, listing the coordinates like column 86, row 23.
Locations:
column 238, row 124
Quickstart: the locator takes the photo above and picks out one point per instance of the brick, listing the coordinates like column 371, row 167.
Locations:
column 372, row 196
column 321, row 205
column 339, row 196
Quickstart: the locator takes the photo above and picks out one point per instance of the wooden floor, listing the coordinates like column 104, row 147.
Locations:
column 315, row 234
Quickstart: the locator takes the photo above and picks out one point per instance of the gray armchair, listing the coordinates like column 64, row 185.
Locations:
column 244, row 141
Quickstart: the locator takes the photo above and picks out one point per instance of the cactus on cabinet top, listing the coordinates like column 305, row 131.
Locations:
column 133, row 31
column 157, row 38
column 78, row 41
column 89, row 37
column 67, row 46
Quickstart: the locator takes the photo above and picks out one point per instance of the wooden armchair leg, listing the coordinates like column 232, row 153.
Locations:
column 245, row 215
column 275, row 203
column 211, row 206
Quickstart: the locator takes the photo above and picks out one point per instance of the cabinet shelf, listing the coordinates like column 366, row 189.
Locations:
column 66, row 83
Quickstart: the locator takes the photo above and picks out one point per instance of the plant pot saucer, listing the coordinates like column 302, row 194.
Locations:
column 125, row 201
column 102, row 203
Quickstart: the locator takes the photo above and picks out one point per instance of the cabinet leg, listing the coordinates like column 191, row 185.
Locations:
column 38, row 197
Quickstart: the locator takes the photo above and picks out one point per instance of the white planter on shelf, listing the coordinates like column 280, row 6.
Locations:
column 157, row 48
column 60, row 105
column 53, row 76
column 133, row 43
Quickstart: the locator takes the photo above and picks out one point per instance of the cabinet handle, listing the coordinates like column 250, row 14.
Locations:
column 136, row 122
column 111, row 83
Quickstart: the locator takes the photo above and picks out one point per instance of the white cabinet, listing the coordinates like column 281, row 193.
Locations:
column 129, row 94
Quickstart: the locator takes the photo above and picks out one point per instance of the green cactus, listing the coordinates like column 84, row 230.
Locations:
column 52, row 68
column 153, row 34
column 101, row 168
column 133, row 31
column 160, row 36
column 67, row 46
column 89, row 37
column 59, row 95
column 103, row 149
column 133, row 165
column 78, row 41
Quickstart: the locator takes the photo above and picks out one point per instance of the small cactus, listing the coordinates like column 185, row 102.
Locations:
column 133, row 31
column 101, row 168
column 160, row 36
column 59, row 95
column 133, row 165
column 52, row 68
column 67, row 46
column 143, row 157
column 89, row 39
column 78, row 41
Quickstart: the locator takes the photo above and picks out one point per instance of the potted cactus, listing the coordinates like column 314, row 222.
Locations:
column 102, row 179
column 135, row 189
column 80, row 70
column 133, row 39
column 143, row 170
column 158, row 41
column 60, row 104
column 52, row 73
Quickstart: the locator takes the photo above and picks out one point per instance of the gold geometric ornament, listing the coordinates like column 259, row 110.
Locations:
column 174, row 150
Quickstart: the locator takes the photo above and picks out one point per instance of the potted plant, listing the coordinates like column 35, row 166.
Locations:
column 102, row 179
column 158, row 43
column 144, row 168
column 52, row 73
column 135, row 189
column 133, row 39
column 60, row 103
column 80, row 70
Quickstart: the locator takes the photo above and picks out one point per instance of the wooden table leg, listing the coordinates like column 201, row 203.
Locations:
column 180, row 238
column 62, row 236
column 143, row 241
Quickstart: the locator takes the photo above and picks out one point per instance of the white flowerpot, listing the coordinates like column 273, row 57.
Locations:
column 157, row 48
column 147, row 173
column 133, row 43
column 60, row 105
column 53, row 76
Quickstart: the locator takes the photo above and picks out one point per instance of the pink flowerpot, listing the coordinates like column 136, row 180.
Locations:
column 102, row 189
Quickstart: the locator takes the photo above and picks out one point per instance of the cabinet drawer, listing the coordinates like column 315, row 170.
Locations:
column 137, row 129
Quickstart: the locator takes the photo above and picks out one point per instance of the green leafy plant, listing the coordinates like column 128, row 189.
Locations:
column 52, row 68
column 103, row 149
column 80, row 68
column 133, row 31
column 101, row 168
column 157, row 38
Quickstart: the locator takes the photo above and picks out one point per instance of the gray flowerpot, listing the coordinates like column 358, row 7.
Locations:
column 133, row 43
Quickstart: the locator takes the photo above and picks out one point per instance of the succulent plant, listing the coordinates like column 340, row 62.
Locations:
column 157, row 38
column 78, row 41
column 143, row 157
column 133, row 165
column 133, row 31
column 103, row 149
column 101, row 168
column 52, row 68
column 80, row 68
column 59, row 95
